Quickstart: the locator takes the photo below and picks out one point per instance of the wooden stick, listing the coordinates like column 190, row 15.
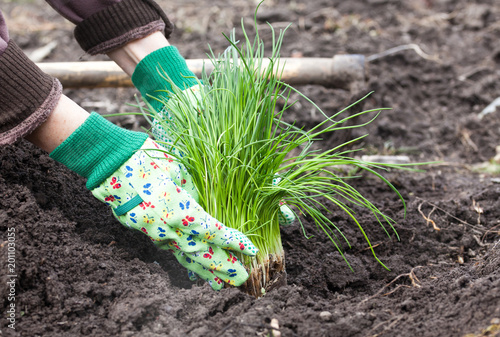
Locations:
column 341, row 72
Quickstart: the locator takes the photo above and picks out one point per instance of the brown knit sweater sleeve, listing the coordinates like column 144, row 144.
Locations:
column 27, row 95
column 120, row 23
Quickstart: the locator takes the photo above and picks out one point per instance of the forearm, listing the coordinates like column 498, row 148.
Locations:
column 66, row 117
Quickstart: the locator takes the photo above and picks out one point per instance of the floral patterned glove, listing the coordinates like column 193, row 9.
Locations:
column 153, row 193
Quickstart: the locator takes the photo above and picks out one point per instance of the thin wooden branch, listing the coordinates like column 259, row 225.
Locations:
column 341, row 71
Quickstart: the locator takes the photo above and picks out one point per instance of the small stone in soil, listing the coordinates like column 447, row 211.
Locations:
column 325, row 316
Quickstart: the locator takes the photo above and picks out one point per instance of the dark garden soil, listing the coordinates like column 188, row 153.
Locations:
column 79, row 272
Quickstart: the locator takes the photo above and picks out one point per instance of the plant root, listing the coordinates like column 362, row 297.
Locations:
column 394, row 320
column 275, row 332
column 478, row 228
column 266, row 276
column 415, row 283
column 428, row 217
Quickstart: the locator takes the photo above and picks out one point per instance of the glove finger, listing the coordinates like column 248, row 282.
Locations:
column 231, row 239
column 223, row 264
column 184, row 242
column 192, row 275
column 210, row 230
column 286, row 216
column 195, row 270
column 215, row 282
column 195, row 221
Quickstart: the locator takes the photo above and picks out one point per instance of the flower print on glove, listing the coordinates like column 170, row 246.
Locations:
column 153, row 193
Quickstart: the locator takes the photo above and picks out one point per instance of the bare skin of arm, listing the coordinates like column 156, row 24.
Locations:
column 67, row 116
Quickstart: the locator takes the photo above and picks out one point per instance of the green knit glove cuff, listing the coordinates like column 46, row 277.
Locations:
column 150, row 75
column 97, row 149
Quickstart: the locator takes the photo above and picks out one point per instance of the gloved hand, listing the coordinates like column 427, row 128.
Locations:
column 153, row 193
column 154, row 196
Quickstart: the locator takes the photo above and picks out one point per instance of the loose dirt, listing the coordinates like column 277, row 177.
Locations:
column 79, row 272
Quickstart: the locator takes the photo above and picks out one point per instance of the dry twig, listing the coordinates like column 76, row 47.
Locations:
column 451, row 216
column 415, row 282
column 479, row 210
column 467, row 140
column 397, row 49
column 491, row 230
column 427, row 218
column 388, row 327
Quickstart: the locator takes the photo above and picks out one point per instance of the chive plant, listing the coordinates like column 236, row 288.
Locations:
column 246, row 161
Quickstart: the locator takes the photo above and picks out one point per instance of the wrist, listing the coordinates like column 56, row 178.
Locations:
column 131, row 54
column 159, row 71
column 66, row 117
column 97, row 148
